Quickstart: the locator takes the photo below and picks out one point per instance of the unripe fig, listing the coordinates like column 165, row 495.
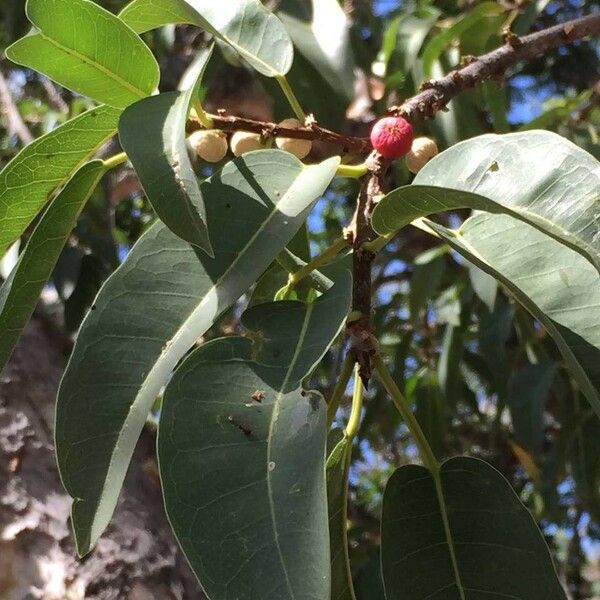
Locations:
column 244, row 141
column 299, row 148
column 392, row 137
column 210, row 145
column 422, row 151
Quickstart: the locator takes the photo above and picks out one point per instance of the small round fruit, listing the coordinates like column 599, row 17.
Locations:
column 244, row 141
column 210, row 145
column 392, row 137
column 422, row 151
column 299, row 148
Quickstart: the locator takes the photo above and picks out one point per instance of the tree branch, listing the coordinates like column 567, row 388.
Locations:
column 435, row 95
column 312, row 132
column 360, row 232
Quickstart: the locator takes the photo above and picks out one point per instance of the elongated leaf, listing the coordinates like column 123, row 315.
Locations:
column 556, row 285
column 468, row 537
column 559, row 194
column 584, row 454
column 153, row 133
column 338, row 467
column 242, row 449
column 246, row 25
column 430, row 411
column 38, row 170
column 320, row 31
column 153, row 309
column 528, row 390
column 438, row 44
column 88, row 50
column 20, row 292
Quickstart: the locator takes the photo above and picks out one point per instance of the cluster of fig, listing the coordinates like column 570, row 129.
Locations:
column 393, row 138
column 211, row 144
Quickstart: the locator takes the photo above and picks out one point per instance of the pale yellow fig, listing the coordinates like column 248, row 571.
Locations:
column 299, row 148
column 422, row 151
column 244, row 141
column 210, row 145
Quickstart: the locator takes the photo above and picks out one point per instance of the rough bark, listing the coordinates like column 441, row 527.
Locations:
column 136, row 559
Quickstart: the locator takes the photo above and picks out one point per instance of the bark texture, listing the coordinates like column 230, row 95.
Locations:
column 137, row 558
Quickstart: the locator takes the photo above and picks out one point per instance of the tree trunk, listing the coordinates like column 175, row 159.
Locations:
column 136, row 559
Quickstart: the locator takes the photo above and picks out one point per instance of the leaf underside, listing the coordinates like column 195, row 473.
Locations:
column 154, row 308
column 247, row 26
column 242, row 449
column 490, row 546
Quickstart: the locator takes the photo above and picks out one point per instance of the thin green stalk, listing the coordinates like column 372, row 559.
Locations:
column 291, row 97
column 340, row 389
column 393, row 390
column 205, row 120
column 319, row 261
column 357, row 406
column 379, row 243
column 291, row 263
column 352, row 171
column 115, row 161
column 427, row 456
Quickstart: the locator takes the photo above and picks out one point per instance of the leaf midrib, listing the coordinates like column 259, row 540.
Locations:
column 6, row 242
column 536, row 220
column 439, row 492
column 273, row 421
column 205, row 24
column 172, row 345
column 110, row 74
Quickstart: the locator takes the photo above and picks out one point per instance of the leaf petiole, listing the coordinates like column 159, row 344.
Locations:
column 202, row 116
column 291, row 97
column 357, row 406
column 115, row 161
column 319, row 261
column 340, row 389
column 427, row 455
column 352, row 171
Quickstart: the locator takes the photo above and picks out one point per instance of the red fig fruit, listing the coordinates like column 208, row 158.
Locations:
column 392, row 137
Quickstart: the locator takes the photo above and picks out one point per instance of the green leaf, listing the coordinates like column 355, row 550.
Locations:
column 153, row 133
column 88, row 50
column 413, row 29
column 20, row 292
column 495, row 328
column 153, row 309
column 426, row 278
column 584, row 454
column 338, row 467
column 369, row 585
column 465, row 536
column 29, row 179
column 484, row 285
column 528, row 391
column 241, row 452
column 559, row 196
column 321, row 33
column 448, row 370
column 438, row 44
column 247, row 26
column 556, row 285
column 430, row 411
